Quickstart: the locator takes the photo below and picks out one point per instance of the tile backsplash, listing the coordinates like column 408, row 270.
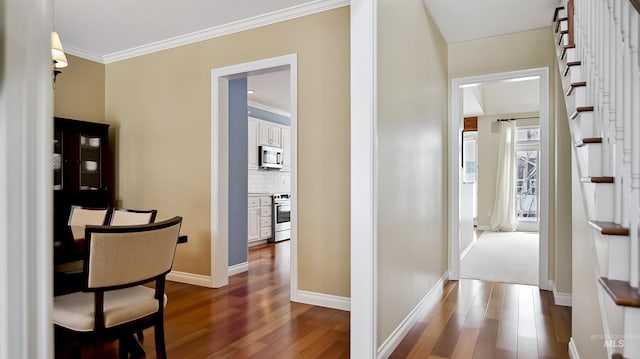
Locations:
column 269, row 181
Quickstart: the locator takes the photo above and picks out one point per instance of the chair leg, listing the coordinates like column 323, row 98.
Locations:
column 140, row 335
column 158, row 331
column 123, row 348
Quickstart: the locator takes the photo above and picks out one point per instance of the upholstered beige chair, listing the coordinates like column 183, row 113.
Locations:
column 125, row 216
column 82, row 216
column 114, row 303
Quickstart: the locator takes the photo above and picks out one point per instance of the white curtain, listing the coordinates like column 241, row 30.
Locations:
column 504, row 208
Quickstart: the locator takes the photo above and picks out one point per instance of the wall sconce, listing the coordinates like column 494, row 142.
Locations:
column 58, row 56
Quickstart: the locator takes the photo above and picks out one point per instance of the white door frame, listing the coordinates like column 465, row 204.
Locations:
column 220, row 162
column 26, row 216
column 454, row 170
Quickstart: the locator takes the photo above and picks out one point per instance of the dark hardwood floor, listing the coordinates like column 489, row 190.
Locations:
column 477, row 319
column 253, row 318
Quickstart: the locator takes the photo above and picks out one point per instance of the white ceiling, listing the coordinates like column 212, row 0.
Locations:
column 463, row 20
column 112, row 30
column 502, row 97
column 271, row 90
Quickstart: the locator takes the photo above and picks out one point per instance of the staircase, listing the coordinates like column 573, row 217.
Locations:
column 597, row 49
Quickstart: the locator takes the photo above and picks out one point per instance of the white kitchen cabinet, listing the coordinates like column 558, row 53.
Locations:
column 265, row 217
column 286, row 148
column 253, row 221
column 252, row 142
column 259, row 219
column 269, row 134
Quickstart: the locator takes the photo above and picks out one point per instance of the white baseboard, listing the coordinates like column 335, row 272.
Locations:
column 238, row 268
column 401, row 331
column 322, row 300
column 466, row 250
column 573, row 351
column 190, row 278
column 560, row 298
column 483, row 228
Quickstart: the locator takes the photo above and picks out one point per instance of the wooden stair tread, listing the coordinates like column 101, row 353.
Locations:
column 560, row 20
column 617, row 356
column 588, row 140
column 621, row 292
column 609, row 228
column 598, row 179
column 556, row 13
column 570, row 64
column 579, row 110
column 574, row 85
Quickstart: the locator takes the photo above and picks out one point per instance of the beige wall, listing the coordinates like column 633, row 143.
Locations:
column 519, row 51
column 160, row 105
column 488, row 148
column 510, row 52
column 412, row 152
column 79, row 92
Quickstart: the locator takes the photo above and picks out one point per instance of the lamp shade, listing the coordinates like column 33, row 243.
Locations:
column 57, row 52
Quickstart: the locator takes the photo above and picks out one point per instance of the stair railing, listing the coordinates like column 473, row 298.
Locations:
column 606, row 38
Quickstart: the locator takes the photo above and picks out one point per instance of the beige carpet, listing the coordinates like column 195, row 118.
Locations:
column 509, row 257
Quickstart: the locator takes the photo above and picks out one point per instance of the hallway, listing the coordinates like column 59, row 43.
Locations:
column 477, row 319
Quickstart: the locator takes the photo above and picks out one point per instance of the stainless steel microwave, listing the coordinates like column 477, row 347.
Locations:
column 270, row 157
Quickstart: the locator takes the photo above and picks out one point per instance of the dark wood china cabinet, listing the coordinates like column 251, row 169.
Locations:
column 82, row 175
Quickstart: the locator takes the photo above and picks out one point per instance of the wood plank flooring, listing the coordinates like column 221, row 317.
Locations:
column 253, row 318
column 477, row 319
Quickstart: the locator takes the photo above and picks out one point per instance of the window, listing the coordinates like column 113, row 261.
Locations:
column 527, row 153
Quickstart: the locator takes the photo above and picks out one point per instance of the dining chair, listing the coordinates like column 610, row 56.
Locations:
column 114, row 303
column 126, row 216
column 82, row 216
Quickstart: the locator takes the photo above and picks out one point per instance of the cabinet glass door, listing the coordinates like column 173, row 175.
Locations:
column 90, row 162
column 57, row 161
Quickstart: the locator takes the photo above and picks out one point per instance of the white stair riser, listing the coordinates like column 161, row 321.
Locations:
column 599, row 197
column 590, row 157
column 618, row 267
column 575, row 74
column 582, row 125
column 571, row 55
column 580, row 96
column 612, row 253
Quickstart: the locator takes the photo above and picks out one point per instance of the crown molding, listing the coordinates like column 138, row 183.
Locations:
column 83, row 53
column 226, row 29
column 268, row 108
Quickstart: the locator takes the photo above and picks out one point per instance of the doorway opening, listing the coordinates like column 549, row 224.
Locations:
column 526, row 192
column 222, row 88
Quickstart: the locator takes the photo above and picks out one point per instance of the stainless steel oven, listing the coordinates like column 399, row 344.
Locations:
column 281, row 217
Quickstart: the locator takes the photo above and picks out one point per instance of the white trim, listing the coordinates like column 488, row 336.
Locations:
column 322, row 300
column 238, row 268
column 220, row 165
column 190, row 278
column 83, row 53
column 268, row 108
column 293, row 12
column 392, row 342
column 364, row 294
column 454, row 163
column 560, row 298
column 466, row 250
column 573, row 351
column 26, row 218
column 483, row 228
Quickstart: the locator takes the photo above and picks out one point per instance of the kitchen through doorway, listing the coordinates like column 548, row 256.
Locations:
column 241, row 166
